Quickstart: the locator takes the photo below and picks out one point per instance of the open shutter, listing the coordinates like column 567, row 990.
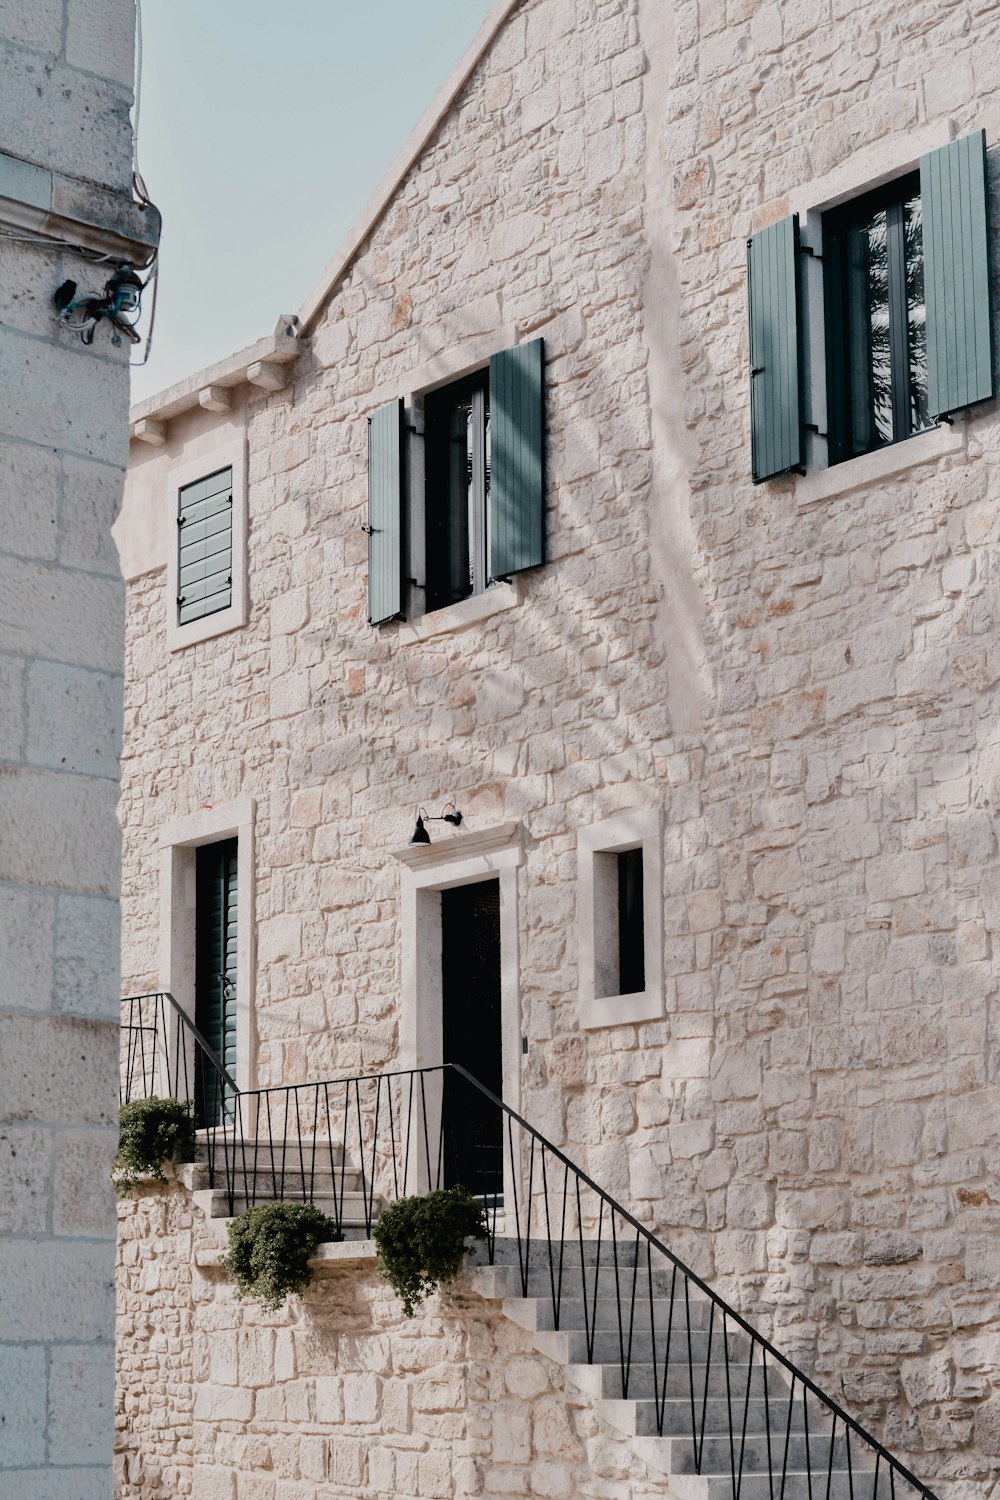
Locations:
column 957, row 275
column 517, row 460
column 385, row 521
column 775, row 365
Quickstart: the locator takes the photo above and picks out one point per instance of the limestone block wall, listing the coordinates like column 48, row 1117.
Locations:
column 65, row 86
column 807, row 689
column 337, row 1394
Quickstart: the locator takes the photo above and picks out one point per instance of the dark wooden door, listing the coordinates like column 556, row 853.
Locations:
column 470, row 938
column 215, row 969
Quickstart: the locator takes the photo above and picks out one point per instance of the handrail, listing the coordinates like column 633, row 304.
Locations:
column 411, row 1129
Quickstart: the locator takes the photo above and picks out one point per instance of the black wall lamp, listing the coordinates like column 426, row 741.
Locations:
column 420, row 834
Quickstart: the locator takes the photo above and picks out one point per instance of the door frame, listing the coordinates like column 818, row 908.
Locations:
column 179, row 838
column 462, row 859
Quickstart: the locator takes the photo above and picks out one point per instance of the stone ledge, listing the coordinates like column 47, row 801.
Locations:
column 461, row 616
column 884, row 463
column 279, row 349
column 330, row 1256
column 84, row 214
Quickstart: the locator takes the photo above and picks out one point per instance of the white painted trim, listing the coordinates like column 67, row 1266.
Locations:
column 498, row 853
column 869, row 168
column 178, row 840
column 633, row 830
column 231, row 450
column 870, row 468
column 461, row 616
column 419, row 138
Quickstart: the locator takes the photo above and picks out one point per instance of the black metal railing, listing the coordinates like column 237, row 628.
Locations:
column 737, row 1410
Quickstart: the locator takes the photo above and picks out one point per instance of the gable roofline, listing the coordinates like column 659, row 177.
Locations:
column 418, row 139
column 231, row 371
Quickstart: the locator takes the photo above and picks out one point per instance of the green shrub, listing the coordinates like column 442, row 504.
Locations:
column 421, row 1241
column 150, row 1132
column 270, row 1246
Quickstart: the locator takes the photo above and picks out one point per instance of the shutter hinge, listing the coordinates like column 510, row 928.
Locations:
column 181, row 520
column 808, row 250
column 368, row 530
column 943, row 417
column 756, row 370
column 814, row 427
column 181, row 598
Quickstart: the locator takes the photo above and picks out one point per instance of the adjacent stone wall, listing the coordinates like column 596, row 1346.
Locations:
column 65, row 86
column 337, row 1394
column 809, row 692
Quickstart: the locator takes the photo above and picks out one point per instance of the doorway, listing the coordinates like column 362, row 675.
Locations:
column 471, row 1025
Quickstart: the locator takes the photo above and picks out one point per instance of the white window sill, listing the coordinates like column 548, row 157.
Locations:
column 858, row 473
column 621, row 1010
column 205, row 629
column 460, row 616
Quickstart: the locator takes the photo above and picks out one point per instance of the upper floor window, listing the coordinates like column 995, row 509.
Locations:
column 456, row 508
column 873, row 250
column 480, row 515
column 908, row 321
column 205, row 546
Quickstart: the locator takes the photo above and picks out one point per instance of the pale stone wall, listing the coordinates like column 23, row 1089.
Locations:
column 337, row 1394
column 808, row 692
column 65, row 92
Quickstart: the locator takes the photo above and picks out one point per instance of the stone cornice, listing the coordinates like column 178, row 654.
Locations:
column 81, row 215
column 475, row 841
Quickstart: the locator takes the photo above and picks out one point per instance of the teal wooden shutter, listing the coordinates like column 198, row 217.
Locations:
column 517, row 460
column 775, row 363
column 216, row 953
column 205, row 547
column 385, row 513
column 957, row 275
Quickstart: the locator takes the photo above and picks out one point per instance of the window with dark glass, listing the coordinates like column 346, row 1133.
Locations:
column 457, row 505
column 631, row 941
column 873, row 251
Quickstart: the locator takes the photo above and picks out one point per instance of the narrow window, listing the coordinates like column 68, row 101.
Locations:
column 457, row 457
column 205, row 546
column 631, row 945
column 876, row 330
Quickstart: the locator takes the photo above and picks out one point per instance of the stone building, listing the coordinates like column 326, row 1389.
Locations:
column 66, row 211
column 726, row 881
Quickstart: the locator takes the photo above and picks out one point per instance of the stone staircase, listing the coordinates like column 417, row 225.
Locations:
column 253, row 1172
column 743, row 1422
column 753, row 1435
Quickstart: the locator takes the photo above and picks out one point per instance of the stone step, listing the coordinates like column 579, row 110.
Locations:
column 573, row 1346
column 720, row 1456
column 639, row 1418
column 350, row 1208
column 504, row 1280
column 604, row 1380
column 265, row 1184
column 792, row 1485
column 295, row 1154
column 539, row 1314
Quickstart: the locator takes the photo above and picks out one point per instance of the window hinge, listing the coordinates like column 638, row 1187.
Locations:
column 808, row 250
column 814, row 427
column 756, row 370
column 412, row 427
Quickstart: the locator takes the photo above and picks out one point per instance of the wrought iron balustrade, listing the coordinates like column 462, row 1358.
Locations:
column 741, row 1412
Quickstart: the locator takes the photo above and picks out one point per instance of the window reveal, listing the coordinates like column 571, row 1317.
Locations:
column 457, row 457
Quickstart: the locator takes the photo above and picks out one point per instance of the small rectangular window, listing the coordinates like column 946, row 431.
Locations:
column 876, row 320
column 205, row 546
column 631, row 956
column 457, row 469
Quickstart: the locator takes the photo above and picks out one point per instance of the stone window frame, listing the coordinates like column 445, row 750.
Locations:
column 872, row 167
column 444, row 368
column 226, row 454
column 631, row 830
column 463, row 858
column 178, row 840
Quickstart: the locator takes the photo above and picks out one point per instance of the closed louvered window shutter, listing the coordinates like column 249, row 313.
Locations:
column 385, row 518
column 517, row 460
column 205, row 547
column 775, row 360
column 960, row 360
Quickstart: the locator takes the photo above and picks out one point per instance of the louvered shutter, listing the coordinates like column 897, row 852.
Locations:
column 775, row 362
column 205, row 547
column 957, row 275
column 385, row 514
column 517, row 460
column 216, row 956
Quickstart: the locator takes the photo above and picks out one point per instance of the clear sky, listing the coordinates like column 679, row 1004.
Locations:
column 264, row 127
